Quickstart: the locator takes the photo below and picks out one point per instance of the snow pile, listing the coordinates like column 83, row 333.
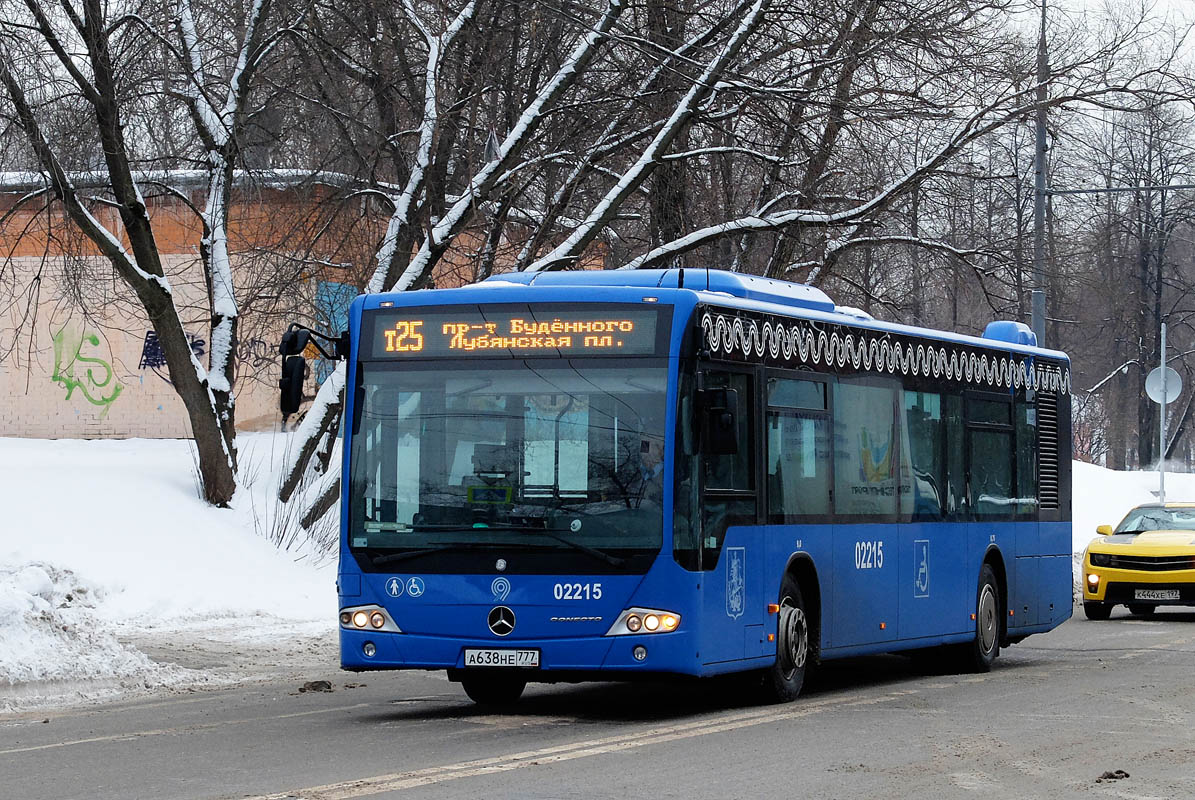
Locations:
column 49, row 632
column 107, row 550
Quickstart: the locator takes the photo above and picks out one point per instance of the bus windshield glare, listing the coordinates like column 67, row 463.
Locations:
column 540, row 455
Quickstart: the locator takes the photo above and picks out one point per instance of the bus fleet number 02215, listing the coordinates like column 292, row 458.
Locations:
column 577, row 591
column 869, row 554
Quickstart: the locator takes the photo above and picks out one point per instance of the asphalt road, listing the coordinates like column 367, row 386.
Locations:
column 1057, row 712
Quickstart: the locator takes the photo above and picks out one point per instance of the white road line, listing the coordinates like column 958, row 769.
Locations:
column 398, row 781
column 124, row 737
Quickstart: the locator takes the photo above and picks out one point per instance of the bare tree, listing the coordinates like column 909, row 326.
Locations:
column 109, row 61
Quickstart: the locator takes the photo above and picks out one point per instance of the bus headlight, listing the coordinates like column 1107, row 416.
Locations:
column 372, row 618
column 644, row 620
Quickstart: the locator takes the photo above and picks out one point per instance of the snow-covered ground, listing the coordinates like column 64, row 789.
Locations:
column 116, row 579
column 108, row 556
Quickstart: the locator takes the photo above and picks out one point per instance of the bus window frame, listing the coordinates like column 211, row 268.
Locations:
column 1008, row 399
column 753, row 405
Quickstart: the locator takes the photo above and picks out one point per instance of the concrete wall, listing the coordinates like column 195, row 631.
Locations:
column 85, row 367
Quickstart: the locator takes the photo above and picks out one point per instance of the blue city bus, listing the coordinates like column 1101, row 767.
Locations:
column 575, row 476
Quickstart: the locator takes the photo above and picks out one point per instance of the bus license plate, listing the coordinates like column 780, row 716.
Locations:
column 1155, row 594
column 501, row 658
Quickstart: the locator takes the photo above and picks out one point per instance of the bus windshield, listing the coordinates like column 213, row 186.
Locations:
column 540, row 455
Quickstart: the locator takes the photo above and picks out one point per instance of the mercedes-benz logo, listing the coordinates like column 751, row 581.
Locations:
column 501, row 620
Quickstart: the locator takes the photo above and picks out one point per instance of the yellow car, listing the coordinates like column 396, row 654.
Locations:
column 1148, row 561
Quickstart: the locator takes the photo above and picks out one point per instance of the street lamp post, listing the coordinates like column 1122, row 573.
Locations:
column 1038, row 298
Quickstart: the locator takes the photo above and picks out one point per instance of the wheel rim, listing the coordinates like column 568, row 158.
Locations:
column 793, row 647
column 988, row 624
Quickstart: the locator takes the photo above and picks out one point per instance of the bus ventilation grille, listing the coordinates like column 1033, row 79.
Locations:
column 1047, row 450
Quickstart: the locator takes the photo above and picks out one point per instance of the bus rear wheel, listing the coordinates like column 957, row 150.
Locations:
column 782, row 681
column 493, row 690
column 979, row 654
column 1141, row 609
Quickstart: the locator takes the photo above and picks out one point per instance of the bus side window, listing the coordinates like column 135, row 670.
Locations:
column 734, row 471
column 729, row 492
column 798, row 450
column 923, row 473
column 956, row 467
column 864, row 448
column 1026, row 423
column 686, row 528
column 991, row 450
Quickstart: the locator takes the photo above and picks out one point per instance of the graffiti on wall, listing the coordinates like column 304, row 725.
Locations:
column 152, row 357
column 255, row 352
column 90, row 375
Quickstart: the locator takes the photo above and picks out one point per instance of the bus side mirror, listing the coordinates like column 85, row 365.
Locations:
column 294, row 342
column 720, row 409
column 1104, row 530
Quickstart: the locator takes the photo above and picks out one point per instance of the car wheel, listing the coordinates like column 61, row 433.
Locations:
column 493, row 690
column 1141, row 609
column 1098, row 611
column 782, row 681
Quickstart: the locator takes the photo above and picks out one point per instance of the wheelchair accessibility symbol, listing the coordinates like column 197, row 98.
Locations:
column 921, row 564
column 415, row 587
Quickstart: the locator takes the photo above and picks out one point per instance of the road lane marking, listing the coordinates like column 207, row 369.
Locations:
column 399, row 781
column 124, row 737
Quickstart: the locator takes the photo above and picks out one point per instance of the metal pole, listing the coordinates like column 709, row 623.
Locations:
column 1038, row 298
column 1162, row 427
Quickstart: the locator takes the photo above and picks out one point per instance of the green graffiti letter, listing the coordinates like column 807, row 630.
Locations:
column 68, row 348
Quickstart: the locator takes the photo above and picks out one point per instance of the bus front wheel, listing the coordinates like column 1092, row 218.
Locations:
column 493, row 690
column 782, row 681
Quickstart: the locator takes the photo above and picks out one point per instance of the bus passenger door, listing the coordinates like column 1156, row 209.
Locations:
column 732, row 540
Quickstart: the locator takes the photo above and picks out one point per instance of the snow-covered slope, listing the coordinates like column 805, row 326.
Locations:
column 104, row 543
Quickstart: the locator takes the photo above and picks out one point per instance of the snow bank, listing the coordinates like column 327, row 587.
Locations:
column 106, row 542
column 49, row 632
column 1103, row 496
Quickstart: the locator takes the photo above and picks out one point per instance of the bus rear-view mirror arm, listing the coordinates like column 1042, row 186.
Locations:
column 292, row 348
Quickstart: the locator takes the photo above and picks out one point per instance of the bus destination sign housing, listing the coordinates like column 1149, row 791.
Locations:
column 517, row 331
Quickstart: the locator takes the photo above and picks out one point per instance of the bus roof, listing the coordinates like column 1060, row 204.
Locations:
column 718, row 288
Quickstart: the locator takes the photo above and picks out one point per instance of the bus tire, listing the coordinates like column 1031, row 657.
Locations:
column 493, row 690
column 982, row 651
column 1096, row 610
column 1141, row 609
column 782, row 681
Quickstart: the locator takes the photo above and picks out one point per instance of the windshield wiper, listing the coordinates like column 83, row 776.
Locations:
column 391, row 558
column 601, row 555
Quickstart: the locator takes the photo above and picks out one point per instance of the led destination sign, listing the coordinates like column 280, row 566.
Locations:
column 556, row 330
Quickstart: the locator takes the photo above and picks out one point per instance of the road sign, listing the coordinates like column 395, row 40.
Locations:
column 1153, row 385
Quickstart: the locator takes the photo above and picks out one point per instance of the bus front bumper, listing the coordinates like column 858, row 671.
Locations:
column 673, row 652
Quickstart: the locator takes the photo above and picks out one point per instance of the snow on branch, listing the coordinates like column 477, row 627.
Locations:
column 403, row 203
column 529, row 121
column 570, row 249
column 981, row 122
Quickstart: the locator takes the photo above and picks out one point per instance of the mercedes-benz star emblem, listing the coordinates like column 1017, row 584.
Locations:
column 501, row 620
